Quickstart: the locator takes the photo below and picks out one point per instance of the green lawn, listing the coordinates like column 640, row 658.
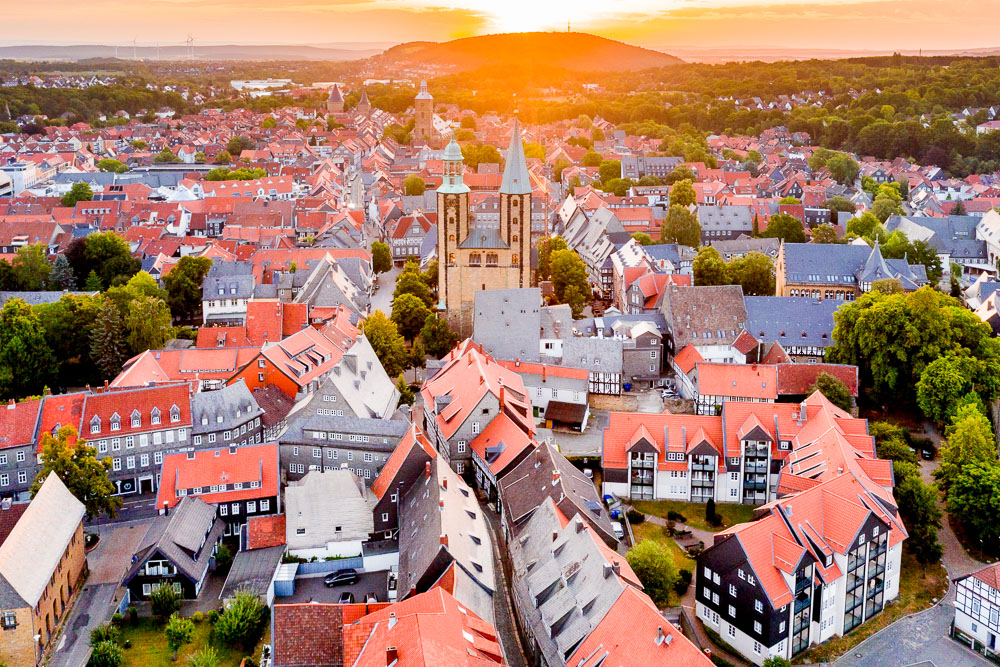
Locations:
column 731, row 513
column 916, row 593
column 149, row 646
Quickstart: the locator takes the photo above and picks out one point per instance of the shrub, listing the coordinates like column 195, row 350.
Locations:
column 207, row 657
column 676, row 516
column 106, row 654
column 105, row 632
column 683, row 581
column 671, row 528
column 116, row 620
column 635, row 517
column 213, row 616
column 133, row 615
column 655, row 568
column 242, row 623
column 223, row 557
column 164, row 601
column 198, row 617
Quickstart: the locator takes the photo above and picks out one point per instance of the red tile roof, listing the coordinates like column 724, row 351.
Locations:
column 18, row 421
column 687, row 358
column 502, row 431
column 796, row 379
column 747, row 381
column 142, row 401
column 413, row 438
column 216, row 467
column 265, row 531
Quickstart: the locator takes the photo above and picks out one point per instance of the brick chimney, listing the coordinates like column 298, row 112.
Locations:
column 444, row 540
column 616, row 566
column 427, row 470
column 555, row 476
column 501, row 397
column 391, row 655
column 444, row 483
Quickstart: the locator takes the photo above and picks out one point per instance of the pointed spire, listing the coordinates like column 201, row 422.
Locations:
column 364, row 97
column 423, row 94
column 515, row 174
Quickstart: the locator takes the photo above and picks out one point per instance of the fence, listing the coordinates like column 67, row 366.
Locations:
column 326, row 566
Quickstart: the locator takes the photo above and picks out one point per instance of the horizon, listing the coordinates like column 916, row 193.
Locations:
column 825, row 25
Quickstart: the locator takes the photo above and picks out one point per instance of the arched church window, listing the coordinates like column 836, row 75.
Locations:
column 513, row 260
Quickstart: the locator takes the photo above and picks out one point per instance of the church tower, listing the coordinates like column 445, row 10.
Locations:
column 364, row 107
column 480, row 255
column 335, row 101
column 423, row 115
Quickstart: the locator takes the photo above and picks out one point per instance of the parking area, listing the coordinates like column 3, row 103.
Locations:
column 312, row 589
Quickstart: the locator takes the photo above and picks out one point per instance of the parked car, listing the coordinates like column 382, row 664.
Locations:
column 619, row 531
column 346, row 597
column 341, row 578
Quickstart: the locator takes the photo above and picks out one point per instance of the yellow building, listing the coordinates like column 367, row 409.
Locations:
column 473, row 257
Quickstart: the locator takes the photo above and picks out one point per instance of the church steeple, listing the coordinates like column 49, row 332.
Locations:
column 453, row 168
column 515, row 174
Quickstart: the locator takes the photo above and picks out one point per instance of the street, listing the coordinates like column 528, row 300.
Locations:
column 382, row 299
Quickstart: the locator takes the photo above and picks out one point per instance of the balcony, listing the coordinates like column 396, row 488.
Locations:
column 703, row 466
column 755, row 468
column 801, row 584
column 642, row 479
column 799, row 626
column 642, row 465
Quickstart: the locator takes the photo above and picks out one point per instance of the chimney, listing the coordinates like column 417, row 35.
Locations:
column 444, row 540
column 578, row 522
column 616, row 566
column 105, row 385
column 517, row 362
column 555, row 476
column 543, row 372
column 659, row 635
column 501, row 397
column 391, row 655
column 392, row 619
column 166, row 508
column 12, row 404
column 441, row 505
column 427, row 470
column 607, row 570
column 555, row 535
column 444, row 483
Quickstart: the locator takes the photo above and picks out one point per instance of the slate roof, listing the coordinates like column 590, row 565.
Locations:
column 508, row 322
column 208, row 406
column 186, row 536
column 252, row 571
column 713, row 315
column 324, row 500
column 791, row 320
column 516, row 180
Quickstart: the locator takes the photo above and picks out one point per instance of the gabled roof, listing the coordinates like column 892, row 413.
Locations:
column 223, row 468
column 186, row 536
column 501, row 443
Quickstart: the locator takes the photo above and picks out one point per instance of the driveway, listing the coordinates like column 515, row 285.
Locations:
column 312, row 589
column 587, row 443
column 382, row 299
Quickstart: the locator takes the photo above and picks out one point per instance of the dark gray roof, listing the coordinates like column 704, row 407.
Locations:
column 483, row 236
column 391, row 429
column 185, row 536
column 791, row 320
column 824, row 262
column 209, row 406
column 508, row 322
column 225, row 277
column 252, row 571
column 9, row 598
column 35, row 298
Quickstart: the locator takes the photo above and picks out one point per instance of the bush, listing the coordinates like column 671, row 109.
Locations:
column 105, row 632
column 207, row 657
column 223, row 557
column 116, row 620
column 711, row 516
column 683, row 581
column 242, row 623
column 164, row 601
column 671, row 528
column 635, row 517
column 133, row 615
column 106, row 654
column 655, row 568
column 676, row 516
column 213, row 616
column 197, row 617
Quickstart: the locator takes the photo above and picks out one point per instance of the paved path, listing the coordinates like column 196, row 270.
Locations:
column 382, row 299
column 503, row 612
column 91, row 608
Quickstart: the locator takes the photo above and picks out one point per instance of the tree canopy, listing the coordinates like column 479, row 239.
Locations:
column 76, row 464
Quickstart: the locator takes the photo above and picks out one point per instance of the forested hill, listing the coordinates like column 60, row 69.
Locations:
column 575, row 51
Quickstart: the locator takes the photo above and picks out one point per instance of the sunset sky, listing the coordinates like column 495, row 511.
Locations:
column 849, row 24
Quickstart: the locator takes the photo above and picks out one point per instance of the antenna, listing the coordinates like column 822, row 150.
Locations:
column 116, row 51
column 133, row 47
column 190, row 44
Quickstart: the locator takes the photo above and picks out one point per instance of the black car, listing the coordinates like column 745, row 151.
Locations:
column 341, row 578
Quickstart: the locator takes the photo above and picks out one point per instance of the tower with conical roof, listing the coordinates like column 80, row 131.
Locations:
column 364, row 107
column 479, row 255
column 423, row 115
column 335, row 100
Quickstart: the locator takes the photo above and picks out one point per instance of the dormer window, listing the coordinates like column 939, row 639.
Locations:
column 116, row 422
column 136, row 419
column 175, row 414
column 95, row 424
column 218, row 418
column 154, row 416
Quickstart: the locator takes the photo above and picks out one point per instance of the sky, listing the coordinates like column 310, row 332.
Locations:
column 828, row 24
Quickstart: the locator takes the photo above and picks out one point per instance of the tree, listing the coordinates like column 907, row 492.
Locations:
column 591, row 159
column 112, row 165
column 223, row 157
column 863, row 226
column 238, row 144
column 241, row 174
column 166, row 155
column 841, row 203
column 786, row 227
column 184, row 285
column 409, row 313
column 106, row 654
column 410, row 281
column 609, row 169
column 919, row 509
column 105, row 632
column 468, row 122
column 834, row 389
column 680, row 226
column 569, row 279
column 475, row 154
column 109, row 256
column 242, row 623
column 793, row 201
column 381, row 257
column 708, row 267
column 139, row 144
column 164, row 600
column 974, row 498
column 384, row 337
column 970, row 442
column 26, row 360
column 545, row 249
column 206, row 657
column 754, row 271
column 62, row 276
column 682, row 194
column 68, row 324
column 147, row 323
column 268, row 123
column 31, row 267
column 710, row 516
column 405, row 393
column 680, row 173
column 76, row 464
column 107, row 340
column 843, row 168
column 655, row 569
column 413, row 185
column 642, row 238
column 178, row 632
column 946, row 380
column 79, row 192
column 437, row 336
column 825, row 234
column 777, row 661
